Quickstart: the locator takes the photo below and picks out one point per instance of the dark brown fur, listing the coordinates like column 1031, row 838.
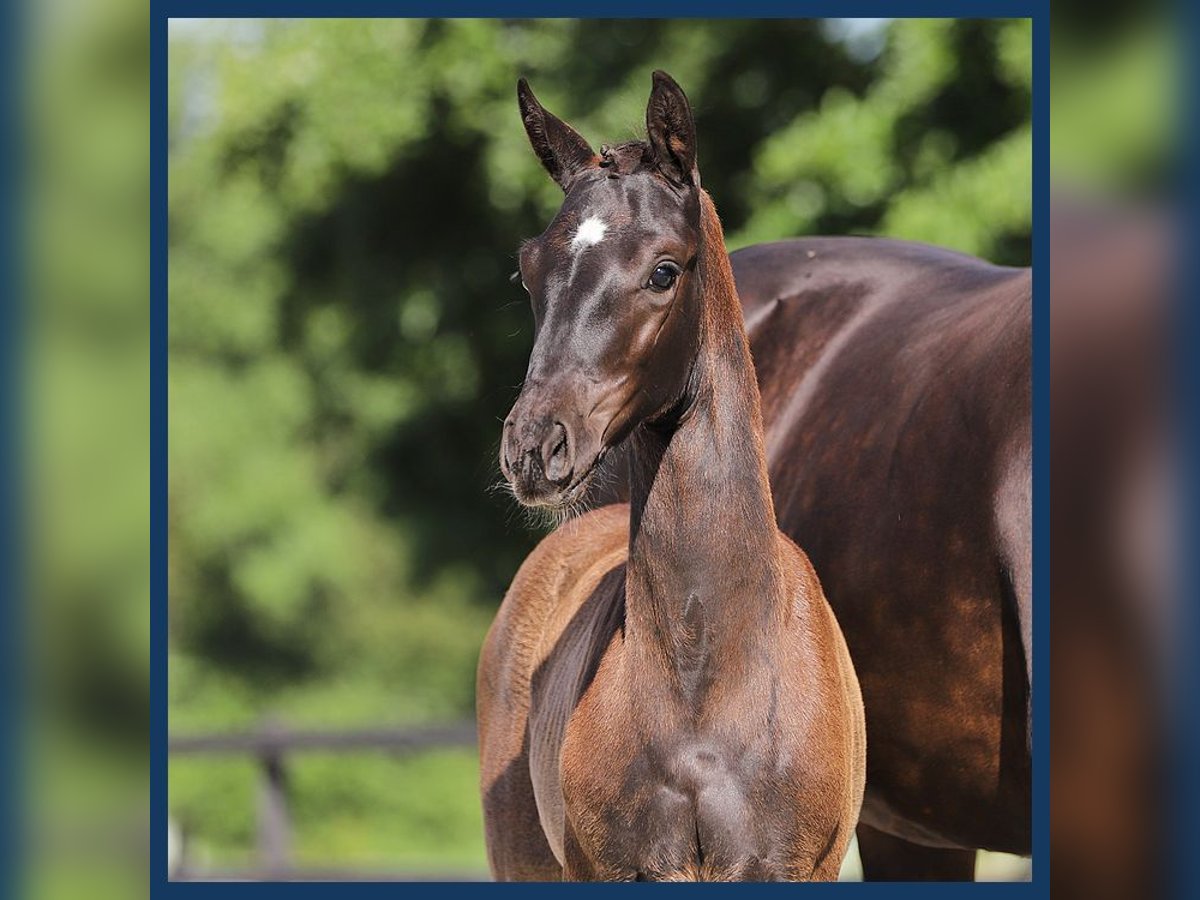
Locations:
column 896, row 383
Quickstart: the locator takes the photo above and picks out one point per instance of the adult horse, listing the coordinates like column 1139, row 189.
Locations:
column 896, row 383
column 664, row 694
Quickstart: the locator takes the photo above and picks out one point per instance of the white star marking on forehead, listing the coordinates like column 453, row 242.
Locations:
column 591, row 231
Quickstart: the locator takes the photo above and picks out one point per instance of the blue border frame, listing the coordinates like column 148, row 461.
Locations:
column 162, row 10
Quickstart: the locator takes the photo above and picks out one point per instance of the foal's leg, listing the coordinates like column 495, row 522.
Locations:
column 517, row 846
column 888, row 858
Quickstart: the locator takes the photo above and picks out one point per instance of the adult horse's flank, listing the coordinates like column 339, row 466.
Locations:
column 665, row 694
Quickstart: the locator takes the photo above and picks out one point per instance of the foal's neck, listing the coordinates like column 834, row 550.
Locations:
column 704, row 569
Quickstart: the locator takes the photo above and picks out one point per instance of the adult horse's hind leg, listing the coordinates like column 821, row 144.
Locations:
column 889, row 858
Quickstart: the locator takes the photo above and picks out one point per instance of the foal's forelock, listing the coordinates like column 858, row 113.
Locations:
column 627, row 158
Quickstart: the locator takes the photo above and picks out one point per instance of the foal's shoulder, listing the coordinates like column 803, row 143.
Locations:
column 798, row 565
column 807, row 594
column 559, row 576
column 554, row 581
column 572, row 559
column 600, row 532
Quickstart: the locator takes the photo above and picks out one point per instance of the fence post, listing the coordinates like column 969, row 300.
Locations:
column 274, row 826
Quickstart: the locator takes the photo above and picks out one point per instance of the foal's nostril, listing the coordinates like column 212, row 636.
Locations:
column 556, row 453
column 510, row 452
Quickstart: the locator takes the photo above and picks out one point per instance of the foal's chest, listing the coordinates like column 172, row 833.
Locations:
column 659, row 795
column 680, row 807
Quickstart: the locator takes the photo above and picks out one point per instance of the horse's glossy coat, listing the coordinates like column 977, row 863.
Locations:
column 665, row 694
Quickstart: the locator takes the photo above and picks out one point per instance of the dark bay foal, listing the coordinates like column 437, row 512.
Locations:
column 665, row 694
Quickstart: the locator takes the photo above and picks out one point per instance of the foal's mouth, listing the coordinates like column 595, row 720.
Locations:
column 569, row 497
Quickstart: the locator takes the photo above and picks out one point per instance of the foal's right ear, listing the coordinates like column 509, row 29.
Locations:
column 559, row 146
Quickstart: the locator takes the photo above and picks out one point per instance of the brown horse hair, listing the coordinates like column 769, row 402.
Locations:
column 683, row 640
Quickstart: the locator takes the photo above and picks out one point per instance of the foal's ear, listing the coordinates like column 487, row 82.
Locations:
column 559, row 146
column 672, row 131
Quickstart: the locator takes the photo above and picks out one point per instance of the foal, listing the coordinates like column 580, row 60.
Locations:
column 665, row 694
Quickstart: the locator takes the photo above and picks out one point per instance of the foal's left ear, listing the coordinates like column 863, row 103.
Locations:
column 672, row 131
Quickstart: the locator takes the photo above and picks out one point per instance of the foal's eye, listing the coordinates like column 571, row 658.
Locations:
column 663, row 277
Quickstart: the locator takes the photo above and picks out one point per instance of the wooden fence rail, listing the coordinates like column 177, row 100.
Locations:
column 271, row 744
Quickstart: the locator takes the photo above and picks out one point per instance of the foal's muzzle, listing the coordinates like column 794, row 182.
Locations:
column 548, row 451
column 537, row 456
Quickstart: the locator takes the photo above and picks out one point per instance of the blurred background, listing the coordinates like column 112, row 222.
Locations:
column 346, row 199
column 81, row 639
column 337, row 371
column 1123, row 747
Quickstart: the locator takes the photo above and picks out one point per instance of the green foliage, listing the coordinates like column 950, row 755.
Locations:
column 370, row 812
column 936, row 149
column 346, row 197
column 1113, row 100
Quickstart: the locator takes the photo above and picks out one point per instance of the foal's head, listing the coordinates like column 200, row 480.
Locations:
column 615, row 290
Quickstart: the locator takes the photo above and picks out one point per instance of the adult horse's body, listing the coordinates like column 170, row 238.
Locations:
column 896, row 397
column 895, row 382
column 664, row 694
